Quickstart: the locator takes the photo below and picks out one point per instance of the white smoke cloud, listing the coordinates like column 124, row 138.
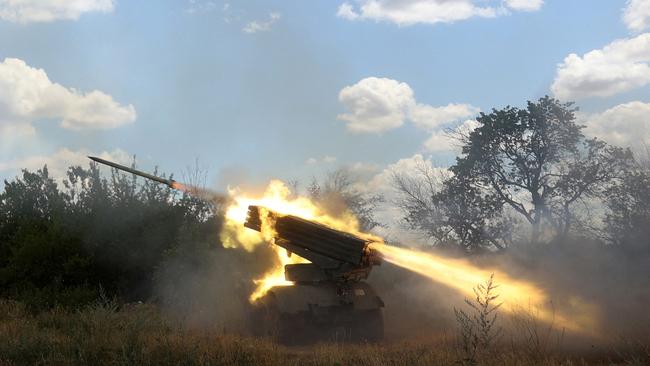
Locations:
column 618, row 67
column 409, row 12
column 40, row 11
column 27, row 94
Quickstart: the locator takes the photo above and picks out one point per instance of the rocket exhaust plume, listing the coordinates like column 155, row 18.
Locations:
column 461, row 275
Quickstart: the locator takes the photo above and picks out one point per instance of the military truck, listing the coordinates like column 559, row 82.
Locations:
column 329, row 300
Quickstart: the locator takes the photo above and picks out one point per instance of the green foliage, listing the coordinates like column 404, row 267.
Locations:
column 530, row 165
column 536, row 162
column 58, row 245
column 628, row 218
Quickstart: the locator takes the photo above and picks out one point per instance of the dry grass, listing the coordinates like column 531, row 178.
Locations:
column 138, row 335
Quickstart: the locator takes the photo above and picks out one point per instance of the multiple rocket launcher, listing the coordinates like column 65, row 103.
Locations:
column 329, row 300
column 334, row 255
column 329, row 294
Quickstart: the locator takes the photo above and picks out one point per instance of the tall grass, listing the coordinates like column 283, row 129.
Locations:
column 106, row 333
column 477, row 327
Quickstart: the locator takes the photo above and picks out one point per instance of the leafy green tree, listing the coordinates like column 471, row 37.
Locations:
column 537, row 162
column 628, row 217
column 26, row 204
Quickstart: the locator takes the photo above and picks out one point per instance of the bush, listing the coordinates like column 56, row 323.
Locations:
column 59, row 245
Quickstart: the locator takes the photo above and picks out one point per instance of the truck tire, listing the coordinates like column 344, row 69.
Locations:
column 369, row 326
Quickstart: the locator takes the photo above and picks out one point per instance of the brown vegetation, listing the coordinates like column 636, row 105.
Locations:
column 138, row 334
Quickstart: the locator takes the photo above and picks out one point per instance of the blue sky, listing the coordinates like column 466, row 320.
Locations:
column 253, row 89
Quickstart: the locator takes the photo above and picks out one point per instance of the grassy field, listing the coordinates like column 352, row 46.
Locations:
column 105, row 334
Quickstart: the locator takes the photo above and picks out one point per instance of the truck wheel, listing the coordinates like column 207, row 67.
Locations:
column 369, row 327
column 293, row 329
column 265, row 319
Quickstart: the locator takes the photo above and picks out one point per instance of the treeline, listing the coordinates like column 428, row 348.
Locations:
column 69, row 242
column 63, row 245
column 525, row 176
column 529, row 175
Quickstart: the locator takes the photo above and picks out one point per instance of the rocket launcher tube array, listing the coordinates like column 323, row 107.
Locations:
column 315, row 239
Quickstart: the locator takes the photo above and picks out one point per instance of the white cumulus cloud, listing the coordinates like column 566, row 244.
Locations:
column 428, row 117
column 382, row 182
column 33, row 11
column 14, row 130
column 625, row 125
column 346, row 11
column 618, row 67
column 524, row 5
column 27, row 94
column 58, row 162
column 324, row 160
column 380, row 104
column 636, row 15
column 446, row 140
column 14, row 136
column 262, row 26
column 376, row 104
column 409, row 12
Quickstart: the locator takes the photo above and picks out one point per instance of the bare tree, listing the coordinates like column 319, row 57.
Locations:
column 338, row 191
column 418, row 199
column 449, row 210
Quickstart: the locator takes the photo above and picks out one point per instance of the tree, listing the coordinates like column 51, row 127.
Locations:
column 449, row 210
column 537, row 162
column 628, row 218
column 419, row 200
column 61, row 243
column 337, row 192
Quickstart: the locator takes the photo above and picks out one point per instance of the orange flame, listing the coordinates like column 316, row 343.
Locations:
column 179, row 186
column 278, row 198
column 275, row 277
